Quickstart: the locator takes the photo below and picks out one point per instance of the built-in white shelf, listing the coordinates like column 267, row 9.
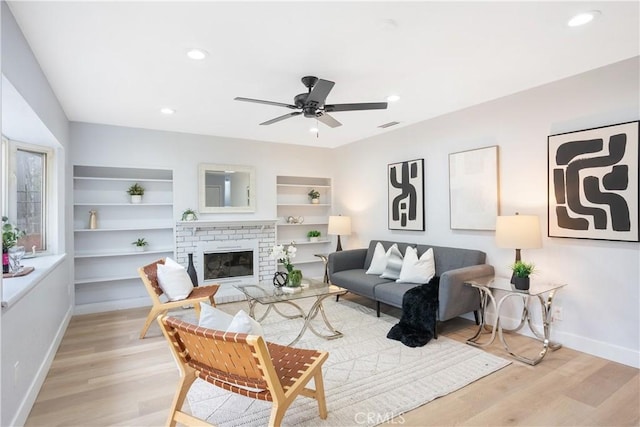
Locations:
column 106, row 262
column 292, row 194
column 124, row 253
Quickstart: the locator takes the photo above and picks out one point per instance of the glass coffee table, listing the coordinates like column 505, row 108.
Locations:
column 269, row 295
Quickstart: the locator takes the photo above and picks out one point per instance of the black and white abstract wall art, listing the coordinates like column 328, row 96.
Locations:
column 406, row 195
column 593, row 183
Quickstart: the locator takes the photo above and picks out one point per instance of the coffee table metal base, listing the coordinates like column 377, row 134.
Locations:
column 308, row 317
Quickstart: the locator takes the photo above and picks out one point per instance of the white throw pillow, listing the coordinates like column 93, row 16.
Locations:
column 416, row 270
column 243, row 323
column 394, row 263
column 213, row 318
column 174, row 280
column 378, row 261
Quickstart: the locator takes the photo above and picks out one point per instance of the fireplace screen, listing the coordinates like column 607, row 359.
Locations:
column 222, row 265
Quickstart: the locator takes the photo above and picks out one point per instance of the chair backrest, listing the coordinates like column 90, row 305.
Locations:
column 149, row 276
column 226, row 359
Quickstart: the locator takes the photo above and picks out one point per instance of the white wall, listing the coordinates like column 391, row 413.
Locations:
column 601, row 303
column 33, row 327
column 103, row 145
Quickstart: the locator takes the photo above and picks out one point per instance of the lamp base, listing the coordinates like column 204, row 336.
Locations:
column 339, row 247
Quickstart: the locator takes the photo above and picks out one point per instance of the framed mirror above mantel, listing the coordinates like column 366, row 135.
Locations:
column 224, row 188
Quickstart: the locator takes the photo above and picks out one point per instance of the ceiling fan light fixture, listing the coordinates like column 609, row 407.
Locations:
column 167, row 111
column 393, row 98
column 196, row 54
column 583, row 18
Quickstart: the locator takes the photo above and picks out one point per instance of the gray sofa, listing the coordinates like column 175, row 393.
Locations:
column 453, row 265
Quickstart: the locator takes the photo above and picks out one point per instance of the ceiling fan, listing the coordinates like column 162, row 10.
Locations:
column 312, row 104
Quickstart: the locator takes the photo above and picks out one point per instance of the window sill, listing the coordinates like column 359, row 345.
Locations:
column 15, row 288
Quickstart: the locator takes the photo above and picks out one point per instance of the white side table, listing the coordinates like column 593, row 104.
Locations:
column 544, row 292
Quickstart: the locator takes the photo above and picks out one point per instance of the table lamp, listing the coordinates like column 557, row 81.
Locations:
column 339, row 225
column 518, row 232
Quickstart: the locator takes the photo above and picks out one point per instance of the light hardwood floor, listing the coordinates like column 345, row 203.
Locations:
column 103, row 375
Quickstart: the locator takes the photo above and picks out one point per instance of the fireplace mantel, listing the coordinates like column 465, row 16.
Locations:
column 206, row 223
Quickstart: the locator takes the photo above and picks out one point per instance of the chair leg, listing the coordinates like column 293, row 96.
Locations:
column 477, row 316
column 277, row 414
column 435, row 329
column 337, row 298
column 178, row 399
column 322, row 403
column 378, row 308
column 150, row 318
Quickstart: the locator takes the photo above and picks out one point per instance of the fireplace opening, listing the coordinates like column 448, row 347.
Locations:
column 222, row 265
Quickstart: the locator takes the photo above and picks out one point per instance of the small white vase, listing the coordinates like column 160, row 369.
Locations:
column 136, row 199
column 313, row 239
column 315, row 201
column 140, row 248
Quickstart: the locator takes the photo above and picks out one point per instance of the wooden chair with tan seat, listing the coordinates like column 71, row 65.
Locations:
column 237, row 362
column 149, row 276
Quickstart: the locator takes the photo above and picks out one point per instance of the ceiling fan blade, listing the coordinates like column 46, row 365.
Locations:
column 260, row 101
column 328, row 120
column 356, row 107
column 319, row 93
column 285, row 116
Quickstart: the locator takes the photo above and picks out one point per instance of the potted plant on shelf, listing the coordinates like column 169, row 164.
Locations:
column 189, row 215
column 136, row 191
column 141, row 244
column 313, row 235
column 521, row 272
column 314, row 195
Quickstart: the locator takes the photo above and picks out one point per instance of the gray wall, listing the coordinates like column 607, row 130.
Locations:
column 33, row 328
column 600, row 304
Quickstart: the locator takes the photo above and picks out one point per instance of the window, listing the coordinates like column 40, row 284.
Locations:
column 25, row 186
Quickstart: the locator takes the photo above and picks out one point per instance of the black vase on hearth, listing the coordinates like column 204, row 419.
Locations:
column 191, row 271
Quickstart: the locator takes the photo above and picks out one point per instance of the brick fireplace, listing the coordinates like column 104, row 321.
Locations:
column 230, row 242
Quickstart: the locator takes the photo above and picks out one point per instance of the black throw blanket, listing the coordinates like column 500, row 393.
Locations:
column 418, row 322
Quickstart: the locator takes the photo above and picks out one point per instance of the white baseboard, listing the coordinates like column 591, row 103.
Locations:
column 32, row 393
column 100, row 307
column 615, row 353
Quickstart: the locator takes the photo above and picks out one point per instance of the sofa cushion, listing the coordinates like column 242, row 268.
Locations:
column 417, row 270
column 394, row 263
column 379, row 260
column 391, row 293
column 358, row 282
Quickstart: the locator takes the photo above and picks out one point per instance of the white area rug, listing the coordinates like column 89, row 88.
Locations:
column 368, row 378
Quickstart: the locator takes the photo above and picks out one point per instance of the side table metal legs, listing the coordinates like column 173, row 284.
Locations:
column 545, row 338
column 487, row 297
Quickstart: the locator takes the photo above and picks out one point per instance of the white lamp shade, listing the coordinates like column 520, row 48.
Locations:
column 518, row 232
column 339, row 225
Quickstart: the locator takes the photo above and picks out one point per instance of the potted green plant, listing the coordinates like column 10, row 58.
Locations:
column 140, row 244
column 313, row 235
column 314, row 195
column 136, row 191
column 189, row 215
column 10, row 237
column 521, row 272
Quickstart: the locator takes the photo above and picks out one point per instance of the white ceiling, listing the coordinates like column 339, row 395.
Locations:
column 120, row 62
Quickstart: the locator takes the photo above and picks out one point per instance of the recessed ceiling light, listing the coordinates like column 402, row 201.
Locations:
column 314, row 130
column 393, row 98
column 197, row 54
column 583, row 18
column 167, row 110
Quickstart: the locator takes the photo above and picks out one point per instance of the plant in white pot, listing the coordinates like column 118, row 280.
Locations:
column 521, row 272
column 189, row 215
column 314, row 195
column 313, row 235
column 136, row 191
column 141, row 244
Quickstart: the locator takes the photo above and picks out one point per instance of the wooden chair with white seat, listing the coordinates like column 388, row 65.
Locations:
column 242, row 364
column 149, row 276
